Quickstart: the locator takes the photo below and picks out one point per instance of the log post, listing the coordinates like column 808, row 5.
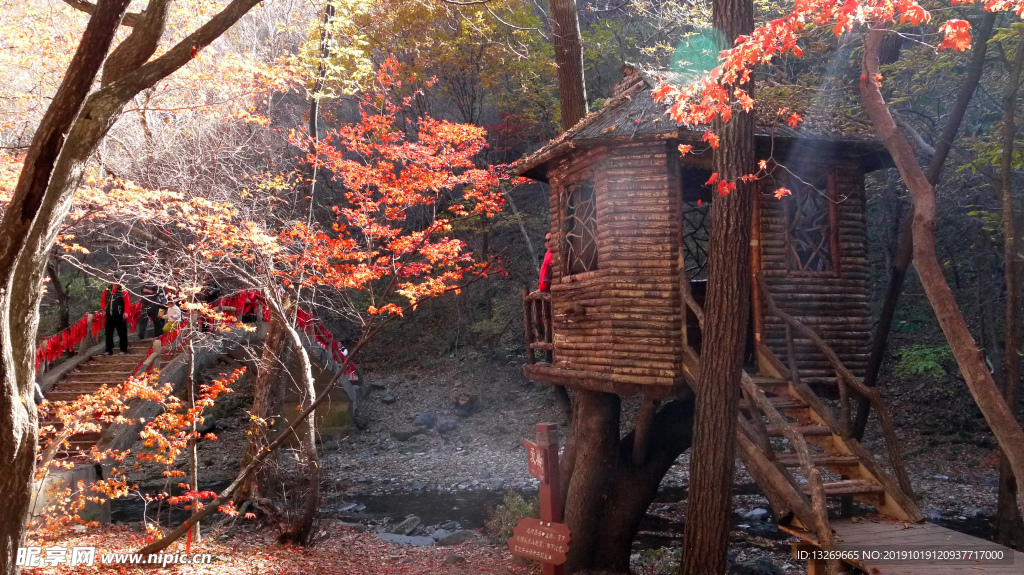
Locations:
column 550, row 490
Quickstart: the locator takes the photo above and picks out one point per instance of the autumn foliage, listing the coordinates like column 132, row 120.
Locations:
column 406, row 181
column 387, row 175
column 164, row 438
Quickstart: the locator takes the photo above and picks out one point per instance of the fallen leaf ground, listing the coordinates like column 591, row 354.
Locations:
column 338, row 551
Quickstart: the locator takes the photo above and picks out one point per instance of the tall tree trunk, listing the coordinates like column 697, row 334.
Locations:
column 565, row 32
column 596, row 440
column 983, row 388
column 609, row 486
column 726, row 313
column 23, row 257
column 1009, row 527
column 60, row 293
column 262, row 402
column 300, row 531
column 905, row 249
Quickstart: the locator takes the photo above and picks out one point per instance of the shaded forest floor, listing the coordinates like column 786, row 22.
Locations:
column 457, row 468
column 338, row 550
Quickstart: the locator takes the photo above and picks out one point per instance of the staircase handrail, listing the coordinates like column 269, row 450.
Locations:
column 844, row 377
column 818, row 500
column 756, row 398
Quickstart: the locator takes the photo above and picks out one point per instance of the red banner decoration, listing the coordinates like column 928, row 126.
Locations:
column 51, row 348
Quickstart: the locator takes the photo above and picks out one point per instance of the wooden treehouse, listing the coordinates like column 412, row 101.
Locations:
column 629, row 238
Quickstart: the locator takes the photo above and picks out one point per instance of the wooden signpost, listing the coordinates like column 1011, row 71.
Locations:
column 545, row 539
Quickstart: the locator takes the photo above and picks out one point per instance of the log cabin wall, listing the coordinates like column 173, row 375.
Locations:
column 618, row 326
column 835, row 303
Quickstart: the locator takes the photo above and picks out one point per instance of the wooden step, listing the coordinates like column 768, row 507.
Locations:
column 820, row 460
column 66, row 395
column 129, row 362
column 117, row 358
column 849, row 487
column 86, row 386
column 99, row 376
column 805, row 430
column 767, row 383
column 780, row 403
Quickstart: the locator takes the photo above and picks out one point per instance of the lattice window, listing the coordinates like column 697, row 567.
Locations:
column 580, row 244
column 696, row 235
column 810, row 234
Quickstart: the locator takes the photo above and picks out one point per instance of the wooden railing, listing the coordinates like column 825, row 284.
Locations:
column 690, row 355
column 537, row 322
column 815, row 517
column 756, row 398
column 846, row 381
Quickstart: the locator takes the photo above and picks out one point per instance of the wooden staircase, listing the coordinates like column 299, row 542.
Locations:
column 847, row 468
column 100, row 370
column 795, row 446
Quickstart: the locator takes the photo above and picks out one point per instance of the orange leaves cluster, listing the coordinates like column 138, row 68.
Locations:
column 86, row 414
column 956, row 35
column 164, row 438
column 386, row 174
column 168, row 434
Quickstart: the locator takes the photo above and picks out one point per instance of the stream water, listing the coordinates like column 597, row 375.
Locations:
column 471, row 509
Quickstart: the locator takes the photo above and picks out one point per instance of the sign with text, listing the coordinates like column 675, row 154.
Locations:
column 539, row 540
column 536, row 461
column 545, row 539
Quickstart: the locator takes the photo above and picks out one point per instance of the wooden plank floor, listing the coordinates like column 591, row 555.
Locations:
column 878, row 534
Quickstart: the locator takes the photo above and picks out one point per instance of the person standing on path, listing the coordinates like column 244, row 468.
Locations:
column 154, row 300
column 115, row 304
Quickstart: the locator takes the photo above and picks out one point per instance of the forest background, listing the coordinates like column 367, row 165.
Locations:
column 225, row 125
column 226, row 118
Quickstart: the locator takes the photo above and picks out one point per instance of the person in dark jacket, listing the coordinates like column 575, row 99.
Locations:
column 155, row 303
column 115, row 304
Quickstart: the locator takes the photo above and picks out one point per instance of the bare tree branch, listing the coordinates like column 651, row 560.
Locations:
column 130, row 19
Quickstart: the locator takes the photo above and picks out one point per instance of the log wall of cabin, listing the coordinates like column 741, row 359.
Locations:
column 619, row 325
column 836, row 307
column 580, row 325
column 641, row 246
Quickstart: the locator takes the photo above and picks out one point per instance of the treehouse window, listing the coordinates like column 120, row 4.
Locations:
column 696, row 221
column 811, row 234
column 580, row 244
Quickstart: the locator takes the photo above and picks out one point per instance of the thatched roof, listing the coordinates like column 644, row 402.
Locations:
column 632, row 114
